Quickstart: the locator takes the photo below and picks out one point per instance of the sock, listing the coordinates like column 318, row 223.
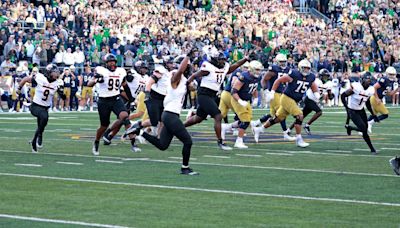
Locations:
column 307, row 125
column 239, row 139
column 133, row 142
column 185, row 166
column 220, row 141
column 298, row 136
column 258, row 122
column 371, row 122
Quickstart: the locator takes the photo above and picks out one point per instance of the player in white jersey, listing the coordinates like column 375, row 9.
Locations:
column 358, row 95
column 135, row 83
column 173, row 126
column 46, row 87
column 109, row 79
column 212, row 73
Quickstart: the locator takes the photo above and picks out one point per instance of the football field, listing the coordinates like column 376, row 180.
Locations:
column 335, row 182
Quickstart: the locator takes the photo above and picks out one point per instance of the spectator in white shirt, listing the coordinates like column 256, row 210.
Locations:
column 58, row 59
column 68, row 58
column 79, row 58
column 30, row 48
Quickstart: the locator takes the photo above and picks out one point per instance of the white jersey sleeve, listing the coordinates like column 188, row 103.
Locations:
column 310, row 93
column 174, row 99
column 138, row 83
column 161, row 85
column 111, row 86
column 44, row 90
column 357, row 100
column 215, row 77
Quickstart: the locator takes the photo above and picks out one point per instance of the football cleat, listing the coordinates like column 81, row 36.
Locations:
column 223, row 146
column 374, row 152
column 300, row 143
column 106, row 140
column 34, row 147
column 189, row 171
column 39, row 142
column 287, row 137
column 95, row 149
column 257, row 131
column 141, row 139
column 134, row 129
column 224, row 129
column 240, row 144
column 369, row 128
column 348, row 129
column 307, row 130
column 135, row 149
column 395, row 163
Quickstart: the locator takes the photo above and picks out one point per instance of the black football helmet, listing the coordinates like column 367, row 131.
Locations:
column 111, row 62
column 141, row 67
column 218, row 61
column 52, row 72
column 324, row 75
column 366, row 80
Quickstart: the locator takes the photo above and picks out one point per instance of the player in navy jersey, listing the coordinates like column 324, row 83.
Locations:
column 67, row 76
column 242, row 95
column 382, row 87
column 87, row 92
column 75, row 91
column 275, row 72
column 299, row 81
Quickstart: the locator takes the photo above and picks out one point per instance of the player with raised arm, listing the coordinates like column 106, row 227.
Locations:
column 173, row 126
column 46, row 87
column 212, row 74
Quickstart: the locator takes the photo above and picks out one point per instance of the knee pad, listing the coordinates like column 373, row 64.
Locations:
column 126, row 122
column 272, row 121
column 244, row 125
column 298, row 121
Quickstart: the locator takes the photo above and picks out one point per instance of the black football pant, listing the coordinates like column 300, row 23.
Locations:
column 42, row 116
column 359, row 118
column 173, row 126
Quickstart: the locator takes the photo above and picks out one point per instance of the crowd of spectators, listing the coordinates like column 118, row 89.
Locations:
column 82, row 32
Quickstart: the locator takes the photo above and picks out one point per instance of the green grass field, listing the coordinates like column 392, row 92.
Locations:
column 333, row 183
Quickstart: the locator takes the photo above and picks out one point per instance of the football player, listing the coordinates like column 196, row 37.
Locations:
column 358, row 95
column 310, row 102
column 46, row 87
column 212, row 74
column 67, row 76
column 173, row 126
column 274, row 72
column 136, row 81
column 382, row 87
column 395, row 163
column 299, row 81
column 242, row 94
column 110, row 79
column 87, row 92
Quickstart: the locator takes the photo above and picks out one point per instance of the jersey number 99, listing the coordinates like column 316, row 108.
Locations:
column 112, row 85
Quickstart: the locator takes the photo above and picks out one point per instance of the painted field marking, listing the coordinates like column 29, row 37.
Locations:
column 69, row 163
column 19, row 217
column 279, row 154
column 108, row 161
column 28, row 165
column 390, row 148
column 215, row 156
column 135, row 159
column 338, row 151
column 249, row 155
column 180, row 158
column 336, row 200
column 240, row 166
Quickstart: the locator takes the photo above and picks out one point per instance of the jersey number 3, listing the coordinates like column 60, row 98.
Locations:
column 112, row 85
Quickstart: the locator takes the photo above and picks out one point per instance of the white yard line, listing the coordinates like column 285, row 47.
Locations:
column 249, row 155
column 69, row 163
column 180, row 158
column 338, row 151
column 279, row 154
column 28, row 165
column 233, row 165
column 390, row 148
column 336, row 200
column 108, row 161
column 215, row 156
column 19, row 217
